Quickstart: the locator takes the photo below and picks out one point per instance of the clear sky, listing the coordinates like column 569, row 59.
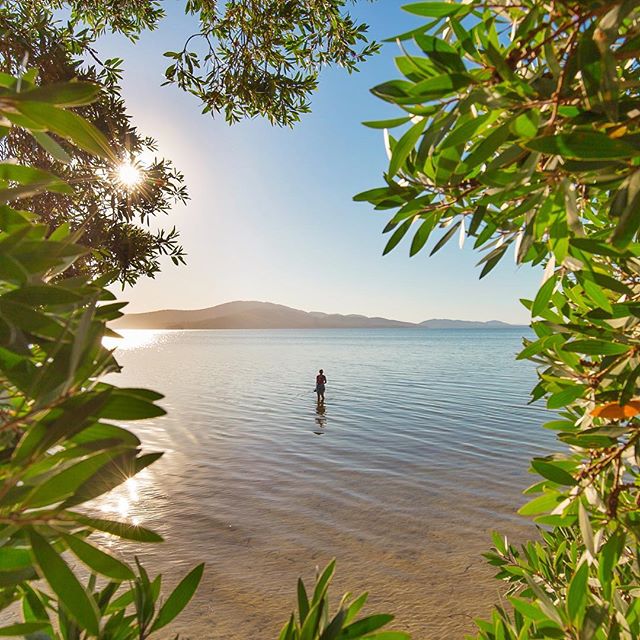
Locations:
column 271, row 216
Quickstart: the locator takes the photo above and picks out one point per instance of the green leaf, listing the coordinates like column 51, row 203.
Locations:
column 49, row 294
column 437, row 9
column 120, row 529
column 566, row 396
column 398, row 234
column 553, row 472
column 51, row 147
column 31, row 182
column 544, row 602
column 375, row 196
column 97, row 560
column 446, row 237
column 542, row 504
column 334, row 627
column 12, row 559
column 10, row 219
column 577, row 593
column 440, row 52
column 104, row 431
column 23, row 174
column 487, row 147
column 354, row 608
column 69, row 126
column 111, row 475
column 62, row 94
column 525, row 125
column 73, row 596
column 464, row 132
column 608, row 282
column 312, row 623
column 61, row 485
column 586, row 529
column 386, row 124
column 393, row 90
column 595, row 247
column 79, row 412
column 528, row 609
column 492, row 259
column 440, row 86
column 34, row 607
column 130, row 404
column 23, row 628
column 597, row 295
column 323, row 582
column 629, row 221
column 404, row 147
column 596, row 347
column 590, row 68
column 303, row 601
column 607, row 560
column 365, row 626
column 582, row 145
column 179, row 598
column 288, row 630
column 593, row 619
column 122, row 601
column 421, row 236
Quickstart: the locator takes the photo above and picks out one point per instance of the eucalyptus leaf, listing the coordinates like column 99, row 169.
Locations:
column 73, row 596
column 179, row 598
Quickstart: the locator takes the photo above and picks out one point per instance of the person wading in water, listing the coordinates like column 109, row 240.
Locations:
column 321, row 380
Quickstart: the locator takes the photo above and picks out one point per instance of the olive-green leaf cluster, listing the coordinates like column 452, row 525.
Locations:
column 520, row 133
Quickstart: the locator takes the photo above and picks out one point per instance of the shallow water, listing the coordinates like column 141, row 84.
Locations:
column 420, row 451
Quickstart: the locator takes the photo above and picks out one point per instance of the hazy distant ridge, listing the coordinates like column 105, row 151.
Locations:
column 466, row 324
column 266, row 315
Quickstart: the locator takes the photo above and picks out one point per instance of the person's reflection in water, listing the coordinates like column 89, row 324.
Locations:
column 320, row 418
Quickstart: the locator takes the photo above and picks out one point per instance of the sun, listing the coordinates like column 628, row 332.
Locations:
column 128, row 175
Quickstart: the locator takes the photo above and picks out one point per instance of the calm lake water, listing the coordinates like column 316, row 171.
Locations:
column 419, row 453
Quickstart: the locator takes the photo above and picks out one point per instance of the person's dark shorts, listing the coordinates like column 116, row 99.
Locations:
column 320, row 388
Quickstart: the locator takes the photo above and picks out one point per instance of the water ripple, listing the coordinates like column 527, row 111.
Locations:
column 420, row 449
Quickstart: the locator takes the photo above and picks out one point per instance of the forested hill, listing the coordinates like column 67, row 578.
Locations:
column 266, row 315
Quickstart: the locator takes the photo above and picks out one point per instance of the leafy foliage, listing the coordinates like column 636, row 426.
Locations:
column 59, row 448
column 113, row 220
column 314, row 621
column 246, row 59
column 520, row 131
column 263, row 58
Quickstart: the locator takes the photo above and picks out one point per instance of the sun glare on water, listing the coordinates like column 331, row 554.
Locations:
column 124, row 502
column 132, row 339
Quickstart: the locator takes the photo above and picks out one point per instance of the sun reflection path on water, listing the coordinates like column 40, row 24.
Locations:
column 132, row 339
column 125, row 503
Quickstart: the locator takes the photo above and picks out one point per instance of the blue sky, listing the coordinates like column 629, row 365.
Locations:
column 271, row 216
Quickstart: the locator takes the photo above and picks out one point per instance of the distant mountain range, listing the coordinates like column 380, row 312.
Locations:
column 266, row 315
column 467, row 324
